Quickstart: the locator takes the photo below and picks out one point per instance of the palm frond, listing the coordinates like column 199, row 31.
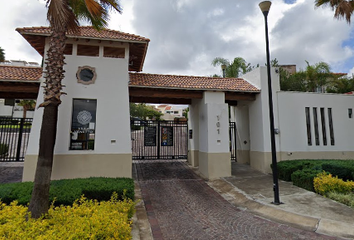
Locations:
column 61, row 15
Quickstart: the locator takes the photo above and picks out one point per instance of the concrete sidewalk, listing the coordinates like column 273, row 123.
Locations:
column 253, row 190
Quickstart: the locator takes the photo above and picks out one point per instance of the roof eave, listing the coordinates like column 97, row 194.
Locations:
column 197, row 89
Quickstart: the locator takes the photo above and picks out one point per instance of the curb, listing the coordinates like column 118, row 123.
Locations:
column 141, row 227
column 324, row 226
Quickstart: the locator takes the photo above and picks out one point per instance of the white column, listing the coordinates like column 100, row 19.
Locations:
column 193, row 142
column 214, row 155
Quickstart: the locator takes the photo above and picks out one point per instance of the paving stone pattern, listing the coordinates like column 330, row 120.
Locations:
column 180, row 205
column 10, row 174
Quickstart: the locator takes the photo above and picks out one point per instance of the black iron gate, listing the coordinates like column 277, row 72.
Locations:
column 232, row 133
column 159, row 140
column 14, row 136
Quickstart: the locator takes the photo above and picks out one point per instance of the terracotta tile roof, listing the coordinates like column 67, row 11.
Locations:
column 168, row 108
column 87, row 32
column 137, row 45
column 20, row 73
column 190, row 82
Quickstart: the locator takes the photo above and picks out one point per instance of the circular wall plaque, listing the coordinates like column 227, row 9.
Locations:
column 86, row 75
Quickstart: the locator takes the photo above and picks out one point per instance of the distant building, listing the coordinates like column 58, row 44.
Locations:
column 170, row 112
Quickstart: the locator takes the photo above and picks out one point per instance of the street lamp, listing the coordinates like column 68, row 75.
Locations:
column 223, row 68
column 265, row 6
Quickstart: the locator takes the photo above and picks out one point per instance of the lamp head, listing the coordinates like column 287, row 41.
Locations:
column 223, row 67
column 265, row 6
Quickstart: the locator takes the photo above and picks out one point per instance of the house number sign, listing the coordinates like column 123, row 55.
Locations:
column 218, row 124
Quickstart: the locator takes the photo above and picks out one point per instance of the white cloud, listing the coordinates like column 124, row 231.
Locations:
column 187, row 34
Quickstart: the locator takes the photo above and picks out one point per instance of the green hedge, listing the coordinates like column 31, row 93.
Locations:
column 66, row 191
column 302, row 172
column 286, row 168
column 4, row 149
column 335, row 167
column 304, row 178
column 343, row 169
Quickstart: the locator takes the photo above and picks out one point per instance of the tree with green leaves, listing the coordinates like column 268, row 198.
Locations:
column 233, row 69
column 27, row 105
column 144, row 112
column 342, row 8
column 341, row 85
column 63, row 16
column 313, row 79
column 2, row 55
column 317, row 76
column 185, row 112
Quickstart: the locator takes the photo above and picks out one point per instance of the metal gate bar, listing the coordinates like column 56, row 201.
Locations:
column 14, row 136
column 159, row 140
column 232, row 134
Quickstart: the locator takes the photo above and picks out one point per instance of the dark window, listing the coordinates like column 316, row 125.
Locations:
column 331, row 132
column 68, row 50
column 113, row 52
column 87, row 50
column 83, row 124
column 323, row 123
column 308, row 126
column 315, row 121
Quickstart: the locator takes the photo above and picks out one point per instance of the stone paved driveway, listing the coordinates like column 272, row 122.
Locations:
column 180, row 205
column 10, row 174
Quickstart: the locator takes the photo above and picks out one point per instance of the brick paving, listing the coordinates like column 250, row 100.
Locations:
column 180, row 205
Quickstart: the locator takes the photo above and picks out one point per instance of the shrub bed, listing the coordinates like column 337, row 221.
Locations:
column 340, row 168
column 325, row 183
column 304, row 178
column 345, row 198
column 86, row 219
column 66, row 191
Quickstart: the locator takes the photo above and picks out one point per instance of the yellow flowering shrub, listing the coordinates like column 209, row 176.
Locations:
column 86, row 219
column 325, row 183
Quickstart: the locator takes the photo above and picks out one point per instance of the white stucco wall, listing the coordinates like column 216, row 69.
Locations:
column 259, row 109
column 241, row 113
column 5, row 111
column 293, row 131
column 112, row 116
column 213, row 123
column 193, row 124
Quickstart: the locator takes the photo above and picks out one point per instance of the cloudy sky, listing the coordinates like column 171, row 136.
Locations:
column 186, row 35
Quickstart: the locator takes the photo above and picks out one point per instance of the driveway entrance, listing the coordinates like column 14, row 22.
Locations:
column 159, row 140
column 180, row 205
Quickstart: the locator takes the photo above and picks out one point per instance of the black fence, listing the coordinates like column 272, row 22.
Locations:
column 14, row 136
column 232, row 133
column 159, row 140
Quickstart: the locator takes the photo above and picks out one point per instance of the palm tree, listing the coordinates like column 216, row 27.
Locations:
column 343, row 8
column 63, row 16
column 233, row 69
column 2, row 55
column 27, row 105
column 317, row 76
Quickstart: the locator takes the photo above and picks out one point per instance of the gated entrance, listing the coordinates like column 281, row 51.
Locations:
column 232, row 133
column 159, row 140
column 14, row 135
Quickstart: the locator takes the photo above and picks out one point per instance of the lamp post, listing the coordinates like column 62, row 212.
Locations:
column 265, row 6
column 223, row 68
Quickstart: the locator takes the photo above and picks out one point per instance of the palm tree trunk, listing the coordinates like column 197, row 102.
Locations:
column 39, row 203
column 24, row 115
